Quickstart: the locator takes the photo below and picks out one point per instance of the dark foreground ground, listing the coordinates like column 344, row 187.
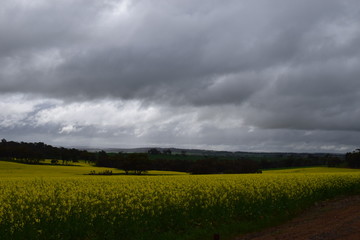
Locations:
column 337, row 219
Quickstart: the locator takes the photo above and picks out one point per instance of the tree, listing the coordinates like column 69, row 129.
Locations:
column 33, row 153
column 167, row 152
column 214, row 165
column 102, row 159
column 65, row 156
column 139, row 162
column 353, row 159
column 153, row 151
column 54, row 161
column 205, row 166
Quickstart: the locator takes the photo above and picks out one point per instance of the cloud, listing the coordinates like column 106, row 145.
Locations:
column 181, row 71
column 138, row 49
column 109, row 123
column 320, row 96
column 18, row 110
column 68, row 129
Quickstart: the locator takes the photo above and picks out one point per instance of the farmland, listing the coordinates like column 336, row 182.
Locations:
column 72, row 205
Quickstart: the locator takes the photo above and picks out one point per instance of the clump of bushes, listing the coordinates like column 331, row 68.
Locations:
column 105, row 172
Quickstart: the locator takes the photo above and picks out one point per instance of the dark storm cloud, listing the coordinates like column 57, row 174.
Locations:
column 36, row 25
column 244, row 64
column 325, row 95
column 153, row 50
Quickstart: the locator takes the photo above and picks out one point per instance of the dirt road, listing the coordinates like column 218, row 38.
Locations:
column 331, row 220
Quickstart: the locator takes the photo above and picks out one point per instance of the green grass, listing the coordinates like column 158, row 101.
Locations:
column 310, row 170
column 81, row 169
column 16, row 170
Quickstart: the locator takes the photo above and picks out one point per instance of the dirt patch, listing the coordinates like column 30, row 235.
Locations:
column 337, row 219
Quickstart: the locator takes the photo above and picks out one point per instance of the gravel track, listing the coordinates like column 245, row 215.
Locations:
column 337, row 219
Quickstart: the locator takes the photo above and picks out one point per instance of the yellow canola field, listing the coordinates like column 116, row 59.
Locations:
column 163, row 207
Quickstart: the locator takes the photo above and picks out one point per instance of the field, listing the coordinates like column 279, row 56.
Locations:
column 61, row 202
column 17, row 170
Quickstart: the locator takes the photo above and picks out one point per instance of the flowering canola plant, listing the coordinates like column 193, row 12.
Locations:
column 156, row 207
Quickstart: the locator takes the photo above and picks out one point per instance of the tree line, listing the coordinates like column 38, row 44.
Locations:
column 34, row 153
column 353, row 159
column 138, row 163
column 304, row 161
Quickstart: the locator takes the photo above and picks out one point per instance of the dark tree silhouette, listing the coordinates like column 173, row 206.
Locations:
column 153, row 151
column 353, row 159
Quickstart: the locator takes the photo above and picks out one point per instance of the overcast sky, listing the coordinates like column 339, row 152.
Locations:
column 239, row 75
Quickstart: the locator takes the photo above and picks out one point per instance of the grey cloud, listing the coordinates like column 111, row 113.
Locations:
column 158, row 48
column 40, row 24
column 268, row 65
column 201, row 130
column 322, row 96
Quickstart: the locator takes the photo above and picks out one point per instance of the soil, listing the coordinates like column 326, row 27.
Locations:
column 337, row 219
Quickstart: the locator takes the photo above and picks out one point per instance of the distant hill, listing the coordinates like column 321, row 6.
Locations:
column 214, row 153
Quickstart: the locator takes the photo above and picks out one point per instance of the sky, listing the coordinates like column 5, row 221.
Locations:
column 235, row 75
